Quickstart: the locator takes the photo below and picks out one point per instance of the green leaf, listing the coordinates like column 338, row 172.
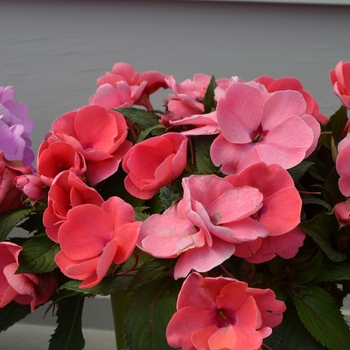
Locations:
column 291, row 334
column 209, row 101
column 321, row 317
column 153, row 305
column 141, row 117
column 203, row 160
column 307, row 270
column 107, row 286
column 10, row 219
column 300, row 170
column 333, row 272
column 12, row 313
column 336, row 123
column 171, row 193
column 147, row 272
column 68, row 334
column 37, row 255
column 155, row 130
column 322, row 228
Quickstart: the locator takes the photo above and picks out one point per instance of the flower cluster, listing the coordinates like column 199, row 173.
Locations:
column 222, row 217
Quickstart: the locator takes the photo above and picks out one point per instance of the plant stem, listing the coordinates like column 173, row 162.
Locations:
column 119, row 302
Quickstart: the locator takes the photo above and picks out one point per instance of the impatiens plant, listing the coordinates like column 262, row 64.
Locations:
column 219, row 222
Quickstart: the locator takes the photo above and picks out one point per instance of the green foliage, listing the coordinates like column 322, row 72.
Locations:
column 291, row 334
column 209, row 101
column 10, row 219
column 203, row 160
column 336, row 123
column 37, row 255
column 152, row 306
column 308, row 269
column 333, row 272
column 141, row 117
column 12, row 313
column 68, row 334
column 170, row 194
column 321, row 317
column 322, row 229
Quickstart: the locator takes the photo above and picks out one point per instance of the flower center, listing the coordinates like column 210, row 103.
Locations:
column 258, row 134
column 225, row 318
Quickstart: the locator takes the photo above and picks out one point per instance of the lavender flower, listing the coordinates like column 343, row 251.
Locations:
column 15, row 128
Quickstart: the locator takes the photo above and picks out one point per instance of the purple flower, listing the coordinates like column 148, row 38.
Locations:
column 15, row 128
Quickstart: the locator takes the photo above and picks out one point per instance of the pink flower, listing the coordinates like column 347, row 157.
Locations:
column 32, row 186
column 94, row 237
column 67, row 191
column 116, row 94
column 186, row 98
column 273, row 85
column 154, row 163
column 340, row 79
column 55, row 156
column 203, row 227
column 342, row 212
column 10, row 195
column 99, row 135
column 23, row 288
column 222, row 313
column 343, row 165
column 279, row 214
column 264, row 249
column 260, row 126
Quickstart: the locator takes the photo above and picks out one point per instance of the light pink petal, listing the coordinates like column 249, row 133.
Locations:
column 286, row 144
column 235, row 204
column 280, row 106
column 244, row 230
column 194, row 258
column 233, row 157
column 239, row 112
column 164, row 237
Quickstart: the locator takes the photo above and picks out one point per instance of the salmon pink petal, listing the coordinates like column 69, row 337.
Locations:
column 286, row 246
column 207, row 290
column 271, row 310
column 186, row 321
column 126, row 238
column 267, row 178
column 87, row 226
column 223, row 338
column 76, row 269
column 244, row 230
column 248, row 249
column 248, row 321
column 237, row 120
column 104, row 263
column 95, row 128
column 121, row 212
column 281, row 211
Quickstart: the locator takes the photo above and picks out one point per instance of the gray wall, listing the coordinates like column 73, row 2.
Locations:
column 52, row 52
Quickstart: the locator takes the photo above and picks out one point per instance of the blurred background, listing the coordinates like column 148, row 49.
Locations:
column 52, row 52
